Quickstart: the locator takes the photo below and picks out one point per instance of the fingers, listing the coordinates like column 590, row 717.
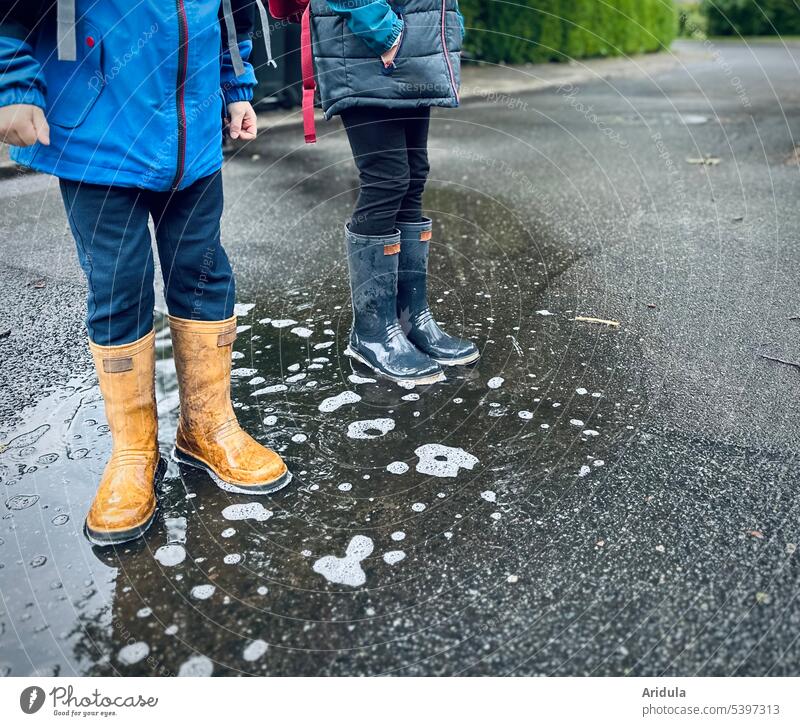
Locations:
column 249, row 127
column 41, row 126
column 235, row 125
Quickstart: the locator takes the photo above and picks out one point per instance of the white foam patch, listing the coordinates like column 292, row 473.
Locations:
column 345, row 486
column 335, row 402
column 198, row 666
column 323, row 346
column 397, row 467
column 526, row 415
column 254, row 650
column 296, row 377
column 302, row 332
column 299, row 438
column 228, row 532
column 133, row 653
column 286, row 323
column 393, row 557
column 243, row 372
column 256, row 381
column 585, row 471
column 591, row 432
column 170, row 555
column 359, row 429
column 270, row 389
column 398, row 536
column 575, row 422
column 242, row 309
column 202, row 592
column 489, row 496
column 495, row 382
column 232, row 559
column 443, row 461
column 411, row 397
column 270, row 420
column 346, row 570
column 356, row 379
column 250, row 510
column 544, row 313
column 581, row 391
column 418, row 507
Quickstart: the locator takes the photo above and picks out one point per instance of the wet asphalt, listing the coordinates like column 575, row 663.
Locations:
column 588, row 499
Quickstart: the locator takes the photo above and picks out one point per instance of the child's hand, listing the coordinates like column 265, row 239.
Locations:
column 241, row 121
column 23, row 125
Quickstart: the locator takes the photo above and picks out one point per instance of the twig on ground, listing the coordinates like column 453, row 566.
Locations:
column 780, row 360
column 596, row 321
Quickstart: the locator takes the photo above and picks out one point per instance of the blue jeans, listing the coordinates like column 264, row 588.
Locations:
column 109, row 224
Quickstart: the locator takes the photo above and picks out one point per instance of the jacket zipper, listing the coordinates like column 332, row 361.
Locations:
column 446, row 54
column 180, row 88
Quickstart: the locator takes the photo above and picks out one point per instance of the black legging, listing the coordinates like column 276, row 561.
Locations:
column 390, row 148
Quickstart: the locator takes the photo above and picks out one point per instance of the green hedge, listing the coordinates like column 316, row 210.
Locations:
column 521, row 31
column 752, row 17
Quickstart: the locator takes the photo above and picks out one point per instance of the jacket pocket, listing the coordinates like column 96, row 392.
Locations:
column 388, row 70
column 73, row 87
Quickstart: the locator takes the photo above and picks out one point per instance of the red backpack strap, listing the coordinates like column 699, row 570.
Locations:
column 309, row 85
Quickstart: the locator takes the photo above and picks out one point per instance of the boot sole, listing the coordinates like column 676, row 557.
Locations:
column 109, row 539
column 465, row 361
column 258, row 489
column 424, row 381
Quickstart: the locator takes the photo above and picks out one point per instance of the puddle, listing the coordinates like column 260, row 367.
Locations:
column 286, row 585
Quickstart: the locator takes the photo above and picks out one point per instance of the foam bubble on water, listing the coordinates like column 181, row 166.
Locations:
column 598, row 462
column 270, row 389
column 397, row 467
column 302, row 332
column 544, row 313
column 202, row 592
column 299, row 438
column 228, row 532
column 575, row 422
column 254, row 650
column 356, row 379
column 544, row 426
column 250, row 510
column 265, row 321
column 393, row 557
column 242, row 309
column 293, row 368
column 21, row 501
column 170, row 555
column 236, row 355
column 346, row 570
column 144, row 612
column 584, row 471
column 285, row 323
column 133, row 653
column 443, row 461
column 345, row 486
column 581, row 391
column 458, row 400
column 526, row 415
column 296, row 377
column 495, row 382
column 418, row 507
column 243, row 328
column 171, row 630
column 398, row 536
column 411, row 397
column 359, row 429
column 496, row 516
column 270, row 420
column 232, row 559
column 198, row 666
column 261, row 590
column 591, row 432
column 256, row 381
column 489, row 496
column 323, row 346
column 335, row 402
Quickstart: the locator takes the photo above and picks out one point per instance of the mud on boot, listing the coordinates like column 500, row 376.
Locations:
column 376, row 338
column 413, row 312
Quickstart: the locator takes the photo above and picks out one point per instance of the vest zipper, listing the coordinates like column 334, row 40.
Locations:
column 447, row 54
column 180, row 89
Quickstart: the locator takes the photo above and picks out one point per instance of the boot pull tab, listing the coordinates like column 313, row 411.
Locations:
column 117, row 365
column 226, row 338
column 425, row 235
column 391, row 249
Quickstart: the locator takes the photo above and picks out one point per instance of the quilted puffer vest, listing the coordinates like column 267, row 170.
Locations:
column 426, row 70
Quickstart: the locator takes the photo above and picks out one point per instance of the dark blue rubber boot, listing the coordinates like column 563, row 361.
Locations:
column 376, row 339
column 415, row 316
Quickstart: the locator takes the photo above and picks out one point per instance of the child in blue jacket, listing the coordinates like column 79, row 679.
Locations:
column 124, row 102
column 381, row 65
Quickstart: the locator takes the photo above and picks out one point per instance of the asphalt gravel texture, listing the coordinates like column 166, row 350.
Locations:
column 614, row 498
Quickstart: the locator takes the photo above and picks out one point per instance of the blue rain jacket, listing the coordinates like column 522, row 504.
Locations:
column 142, row 104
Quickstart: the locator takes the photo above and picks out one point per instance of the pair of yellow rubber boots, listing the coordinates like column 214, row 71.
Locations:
column 209, row 436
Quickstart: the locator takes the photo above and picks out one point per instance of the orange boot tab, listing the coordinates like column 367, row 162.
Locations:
column 209, row 436
column 125, row 503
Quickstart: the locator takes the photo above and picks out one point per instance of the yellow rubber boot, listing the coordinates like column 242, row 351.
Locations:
column 125, row 503
column 209, row 436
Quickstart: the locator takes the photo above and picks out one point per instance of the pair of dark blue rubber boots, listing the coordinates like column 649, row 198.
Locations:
column 394, row 332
